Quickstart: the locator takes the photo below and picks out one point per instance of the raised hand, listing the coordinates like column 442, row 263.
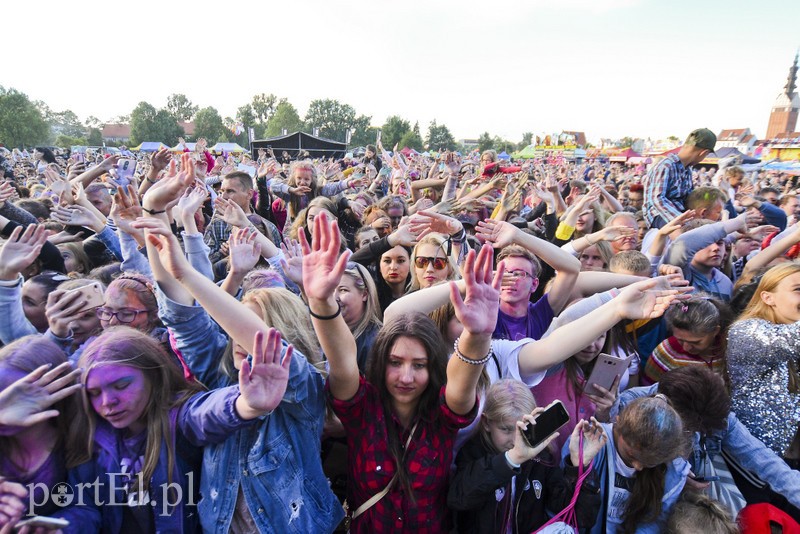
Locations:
column 160, row 160
column 13, row 504
column 615, row 233
column 499, row 233
column 643, row 301
column 292, row 263
column 77, row 215
column 169, row 250
column 170, row 188
column 7, row 192
column 594, row 439
column 243, row 250
column 58, row 184
column 262, row 383
column 676, row 223
column 478, row 310
column 522, row 452
column 63, row 308
column 231, row 213
column 21, row 249
column 438, row 222
column 25, row 402
column 323, row 265
column 191, row 201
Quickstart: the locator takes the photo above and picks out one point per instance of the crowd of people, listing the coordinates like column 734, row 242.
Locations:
column 366, row 344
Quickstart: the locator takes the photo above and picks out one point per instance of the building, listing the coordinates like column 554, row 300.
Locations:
column 783, row 117
column 121, row 133
column 741, row 139
column 469, row 144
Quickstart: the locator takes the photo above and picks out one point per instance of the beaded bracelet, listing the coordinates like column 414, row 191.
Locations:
column 153, row 212
column 326, row 317
column 468, row 360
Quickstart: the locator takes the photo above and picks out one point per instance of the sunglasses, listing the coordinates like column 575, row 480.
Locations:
column 423, row 261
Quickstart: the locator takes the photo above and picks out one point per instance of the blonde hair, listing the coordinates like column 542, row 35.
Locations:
column 294, row 206
column 506, row 400
column 372, row 309
column 284, row 311
column 757, row 308
column 439, row 241
column 697, row 512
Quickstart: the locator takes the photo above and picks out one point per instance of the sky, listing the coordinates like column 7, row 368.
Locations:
column 610, row 68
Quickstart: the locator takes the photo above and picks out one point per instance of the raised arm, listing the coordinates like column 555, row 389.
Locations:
column 776, row 249
column 323, row 268
column 478, row 314
column 96, row 172
column 638, row 301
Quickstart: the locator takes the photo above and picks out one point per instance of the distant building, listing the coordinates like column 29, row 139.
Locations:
column 578, row 137
column 783, row 117
column 741, row 139
column 469, row 144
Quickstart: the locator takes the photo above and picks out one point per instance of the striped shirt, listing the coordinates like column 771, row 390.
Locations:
column 669, row 355
column 665, row 189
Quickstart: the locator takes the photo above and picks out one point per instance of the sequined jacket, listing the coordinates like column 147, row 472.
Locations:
column 761, row 355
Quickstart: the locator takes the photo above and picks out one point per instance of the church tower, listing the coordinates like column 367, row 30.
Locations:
column 783, row 117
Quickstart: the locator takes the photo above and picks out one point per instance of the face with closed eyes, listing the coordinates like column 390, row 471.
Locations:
column 120, row 395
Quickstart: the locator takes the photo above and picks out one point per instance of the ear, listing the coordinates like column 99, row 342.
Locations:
column 768, row 298
column 534, row 285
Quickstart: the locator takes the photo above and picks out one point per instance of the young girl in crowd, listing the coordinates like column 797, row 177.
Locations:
column 763, row 365
column 147, row 425
column 641, row 468
column 503, row 485
column 431, row 262
column 37, row 453
column 699, row 329
column 403, row 417
column 358, row 299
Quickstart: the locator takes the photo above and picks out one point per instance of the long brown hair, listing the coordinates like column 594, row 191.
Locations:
column 655, row 430
column 421, row 328
column 122, row 345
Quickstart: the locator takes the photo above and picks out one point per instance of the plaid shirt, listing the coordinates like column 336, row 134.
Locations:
column 665, row 189
column 218, row 232
column 371, row 466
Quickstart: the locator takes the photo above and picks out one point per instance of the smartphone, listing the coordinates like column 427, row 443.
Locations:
column 606, row 369
column 706, row 479
column 79, row 158
column 92, row 293
column 549, row 421
column 125, row 170
column 37, row 521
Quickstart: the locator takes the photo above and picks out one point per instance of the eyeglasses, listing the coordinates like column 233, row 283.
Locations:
column 517, row 274
column 438, row 263
column 123, row 316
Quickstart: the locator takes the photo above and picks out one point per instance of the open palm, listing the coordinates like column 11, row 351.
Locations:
column 26, row 401
column 262, row 383
column 323, row 265
column 478, row 310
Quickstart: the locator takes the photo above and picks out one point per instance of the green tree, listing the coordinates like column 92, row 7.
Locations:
column 167, row 129
column 247, row 117
column 66, row 123
column 485, row 142
column 674, row 139
column 263, row 106
column 149, row 124
column 393, row 130
column 180, row 107
column 363, row 133
column 284, row 118
column 66, row 141
column 501, row 145
column 527, row 139
column 21, row 123
column 95, row 137
column 412, row 139
column 208, row 124
column 331, row 117
column 439, row 137
column 93, row 122
column 626, row 141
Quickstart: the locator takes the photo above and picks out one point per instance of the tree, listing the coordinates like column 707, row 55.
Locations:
column 527, row 139
column 66, row 123
column 674, row 139
column 208, row 124
column 93, row 122
column 149, row 124
column 439, row 137
column 284, row 118
column 331, row 117
column 180, row 107
column 363, row 133
column 626, row 141
column 263, row 107
column 95, row 137
column 412, row 139
column 393, row 130
column 21, row 123
column 485, row 142
column 66, row 141
column 500, row 144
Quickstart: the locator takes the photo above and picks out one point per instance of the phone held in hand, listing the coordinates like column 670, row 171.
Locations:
column 548, row 422
column 606, row 369
column 125, row 170
column 92, row 293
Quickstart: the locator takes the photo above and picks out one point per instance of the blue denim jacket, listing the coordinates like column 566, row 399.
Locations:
column 205, row 418
column 277, row 461
column 603, row 464
column 740, row 446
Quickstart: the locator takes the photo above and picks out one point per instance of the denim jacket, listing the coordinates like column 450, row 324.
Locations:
column 205, row 418
column 13, row 323
column 603, row 464
column 740, row 447
column 277, row 461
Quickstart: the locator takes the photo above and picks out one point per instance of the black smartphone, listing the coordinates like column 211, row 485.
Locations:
column 547, row 422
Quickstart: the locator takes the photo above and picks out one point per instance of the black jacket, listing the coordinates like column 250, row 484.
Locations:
column 483, row 477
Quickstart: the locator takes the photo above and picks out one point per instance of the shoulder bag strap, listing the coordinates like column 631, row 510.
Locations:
column 372, row 501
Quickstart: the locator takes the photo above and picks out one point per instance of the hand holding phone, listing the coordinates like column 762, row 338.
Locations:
column 545, row 423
